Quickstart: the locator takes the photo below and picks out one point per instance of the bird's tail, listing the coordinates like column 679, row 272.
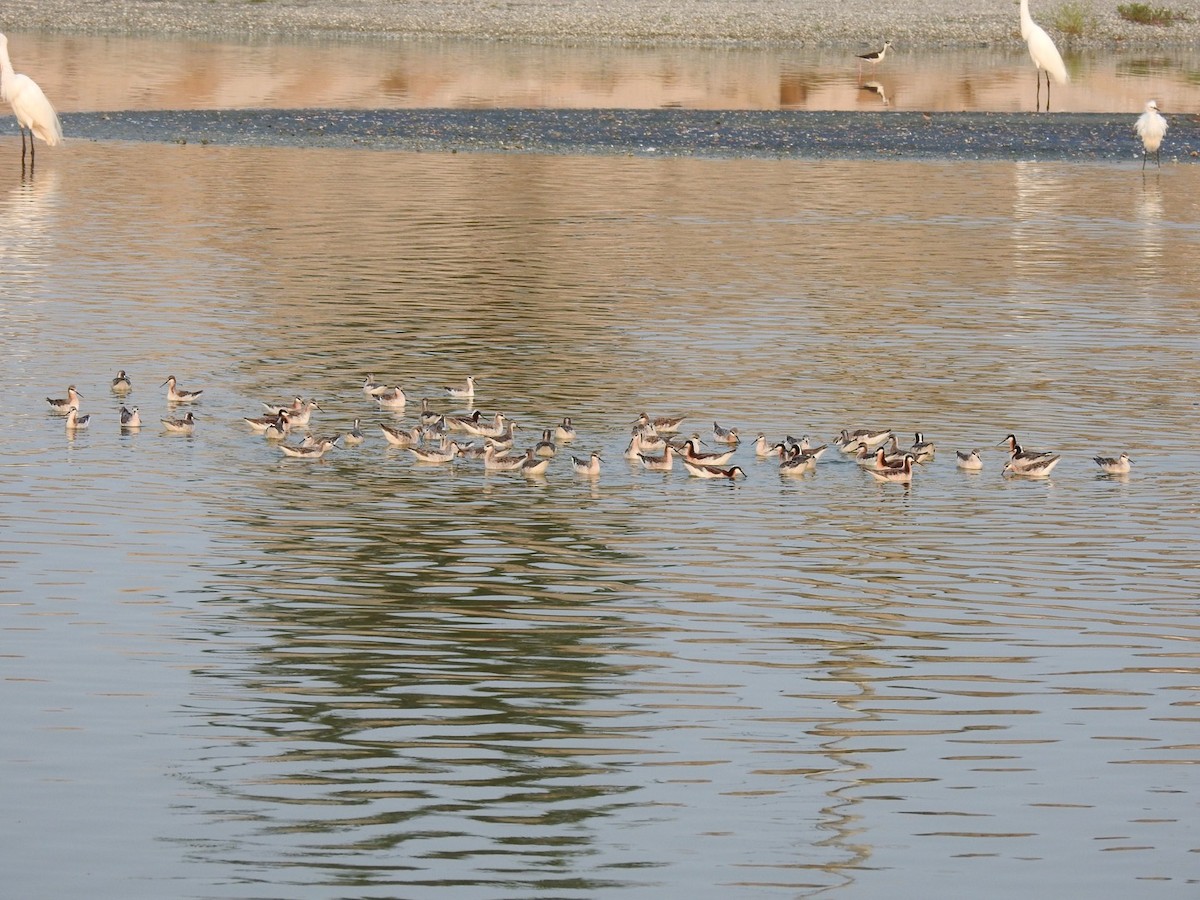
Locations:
column 51, row 132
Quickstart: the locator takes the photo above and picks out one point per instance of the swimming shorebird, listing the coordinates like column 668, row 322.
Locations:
column 390, row 398
column 175, row 394
column 186, row 425
column 662, row 424
column 1118, row 465
column 848, row 441
column 130, row 418
column 968, row 460
column 1015, row 449
column 589, row 466
column 262, row 423
column 900, row 475
column 795, row 461
column 397, row 437
column 435, row 454
column 498, row 426
column 277, row 429
column 464, row 423
column 355, row 435
column 663, row 463
column 76, row 422
column 314, row 450
column 467, row 390
column 372, row 387
column 65, row 404
column 565, row 432
column 700, row 470
column 691, row 453
column 806, row 445
column 1038, row 467
column 121, row 384
column 763, row 449
column 296, row 405
column 496, row 461
column 546, row 446
column 428, row 416
column 533, row 466
column 725, row 435
column 301, row 417
column 921, row 449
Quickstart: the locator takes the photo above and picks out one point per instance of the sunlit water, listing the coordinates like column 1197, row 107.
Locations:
column 230, row 675
column 85, row 73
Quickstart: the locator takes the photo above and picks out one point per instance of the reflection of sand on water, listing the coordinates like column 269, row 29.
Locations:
column 128, row 73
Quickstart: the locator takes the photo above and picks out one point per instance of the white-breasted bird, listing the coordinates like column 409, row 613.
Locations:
column 1151, row 127
column 29, row 104
column 1043, row 53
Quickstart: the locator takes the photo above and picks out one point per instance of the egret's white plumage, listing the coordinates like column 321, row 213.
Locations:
column 1151, row 128
column 1043, row 53
column 29, row 104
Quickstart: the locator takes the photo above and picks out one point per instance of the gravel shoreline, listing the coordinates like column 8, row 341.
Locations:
column 725, row 134
column 832, row 23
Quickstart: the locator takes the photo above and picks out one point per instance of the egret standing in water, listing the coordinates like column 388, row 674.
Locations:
column 33, row 111
column 1151, row 128
column 1044, row 54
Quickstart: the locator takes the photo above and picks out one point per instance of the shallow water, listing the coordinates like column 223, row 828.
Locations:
column 230, row 675
column 83, row 73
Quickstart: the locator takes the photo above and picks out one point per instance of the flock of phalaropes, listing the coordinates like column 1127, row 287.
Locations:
column 654, row 443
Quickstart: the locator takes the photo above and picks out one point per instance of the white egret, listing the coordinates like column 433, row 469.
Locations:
column 1151, row 128
column 33, row 111
column 1044, row 54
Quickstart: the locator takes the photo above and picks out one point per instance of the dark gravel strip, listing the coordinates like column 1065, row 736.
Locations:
column 672, row 132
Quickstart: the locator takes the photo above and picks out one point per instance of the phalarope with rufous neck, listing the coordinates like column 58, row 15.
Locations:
column 901, row 474
column 64, row 405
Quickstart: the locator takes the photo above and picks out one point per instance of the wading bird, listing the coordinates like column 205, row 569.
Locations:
column 875, row 57
column 1043, row 53
column 1151, row 128
column 33, row 111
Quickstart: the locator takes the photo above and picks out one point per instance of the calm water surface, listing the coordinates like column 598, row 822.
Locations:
column 86, row 73
column 229, row 675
